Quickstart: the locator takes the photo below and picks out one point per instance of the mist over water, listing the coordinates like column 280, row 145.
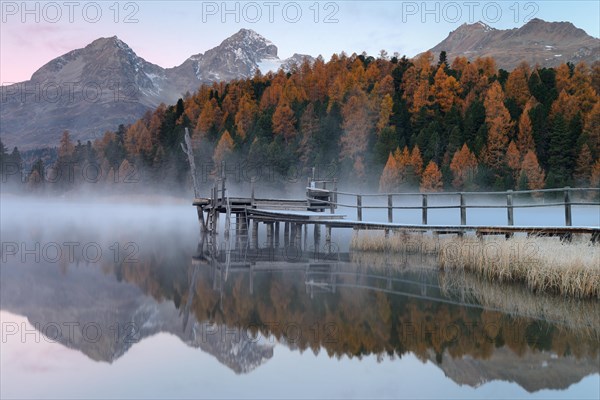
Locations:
column 163, row 314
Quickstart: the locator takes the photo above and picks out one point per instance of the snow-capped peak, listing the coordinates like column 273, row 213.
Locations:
column 485, row 26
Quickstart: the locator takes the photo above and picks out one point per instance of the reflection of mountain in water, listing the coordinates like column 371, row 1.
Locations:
column 534, row 371
column 103, row 318
column 340, row 308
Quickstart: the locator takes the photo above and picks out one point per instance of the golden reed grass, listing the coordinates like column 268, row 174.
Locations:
column 545, row 265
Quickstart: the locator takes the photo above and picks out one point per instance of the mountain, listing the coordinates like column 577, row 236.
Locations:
column 537, row 42
column 94, row 89
column 236, row 57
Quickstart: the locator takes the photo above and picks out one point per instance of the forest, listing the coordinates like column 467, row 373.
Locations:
column 387, row 124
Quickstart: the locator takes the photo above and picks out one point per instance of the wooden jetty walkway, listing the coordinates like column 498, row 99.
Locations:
column 321, row 202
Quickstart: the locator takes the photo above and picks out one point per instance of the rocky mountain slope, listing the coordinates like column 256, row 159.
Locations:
column 537, row 42
column 94, row 89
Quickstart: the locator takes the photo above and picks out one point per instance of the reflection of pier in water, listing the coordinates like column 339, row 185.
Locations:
column 409, row 276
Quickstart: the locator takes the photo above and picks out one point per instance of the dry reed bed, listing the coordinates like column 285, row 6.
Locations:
column 545, row 265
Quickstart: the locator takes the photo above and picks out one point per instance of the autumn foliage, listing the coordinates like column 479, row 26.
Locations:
column 464, row 167
column 432, row 178
column 379, row 121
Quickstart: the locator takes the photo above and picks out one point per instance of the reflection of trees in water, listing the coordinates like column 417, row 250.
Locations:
column 354, row 322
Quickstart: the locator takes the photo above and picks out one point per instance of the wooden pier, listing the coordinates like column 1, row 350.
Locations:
column 321, row 204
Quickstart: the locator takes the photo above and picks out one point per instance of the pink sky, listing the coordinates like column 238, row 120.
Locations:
column 166, row 33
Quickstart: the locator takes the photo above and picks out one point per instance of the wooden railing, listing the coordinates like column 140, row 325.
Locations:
column 562, row 197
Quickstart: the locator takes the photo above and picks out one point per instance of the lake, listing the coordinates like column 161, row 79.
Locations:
column 112, row 298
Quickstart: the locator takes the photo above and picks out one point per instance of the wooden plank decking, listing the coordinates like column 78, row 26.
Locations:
column 318, row 208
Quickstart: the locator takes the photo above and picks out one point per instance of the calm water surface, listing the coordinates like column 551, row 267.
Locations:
column 136, row 310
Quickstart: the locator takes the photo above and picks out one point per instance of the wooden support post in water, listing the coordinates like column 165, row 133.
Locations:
column 568, row 206
column 317, row 236
column 424, row 210
column 255, row 234
column 251, row 278
column 276, row 234
column 244, row 225
column 463, row 210
column 298, row 229
column 509, row 207
column 269, row 234
column 359, row 207
column 328, row 238
column 293, row 233
column 286, row 234
column 305, row 236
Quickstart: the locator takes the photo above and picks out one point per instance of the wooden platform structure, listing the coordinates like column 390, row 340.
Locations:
column 319, row 207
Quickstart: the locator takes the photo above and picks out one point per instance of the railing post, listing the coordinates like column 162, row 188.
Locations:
column 223, row 181
column 223, row 190
column 359, row 207
column 568, row 206
column 390, row 209
column 252, row 194
column 424, row 210
column 335, row 196
column 463, row 210
column 509, row 207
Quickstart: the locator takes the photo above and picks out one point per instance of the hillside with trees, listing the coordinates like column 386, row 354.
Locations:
column 387, row 124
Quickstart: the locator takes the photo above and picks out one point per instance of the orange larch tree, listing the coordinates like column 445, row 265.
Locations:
column 499, row 125
column 563, row 77
column 582, row 89
column 565, row 105
column 416, row 160
column 138, row 140
column 431, row 181
column 446, row 89
column 532, row 172
column 224, row 149
column 513, row 160
column 210, row 117
column 582, row 172
column 284, row 121
column 357, row 125
column 464, row 167
column 525, row 137
column 66, row 147
column 390, row 177
column 244, row 118
column 309, row 126
column 517, row 86
column 385, row 112
column 591, row 129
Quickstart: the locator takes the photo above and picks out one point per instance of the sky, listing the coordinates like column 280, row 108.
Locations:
column 168, row 32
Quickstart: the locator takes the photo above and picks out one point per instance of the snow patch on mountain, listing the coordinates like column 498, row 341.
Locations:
column 269, row 65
